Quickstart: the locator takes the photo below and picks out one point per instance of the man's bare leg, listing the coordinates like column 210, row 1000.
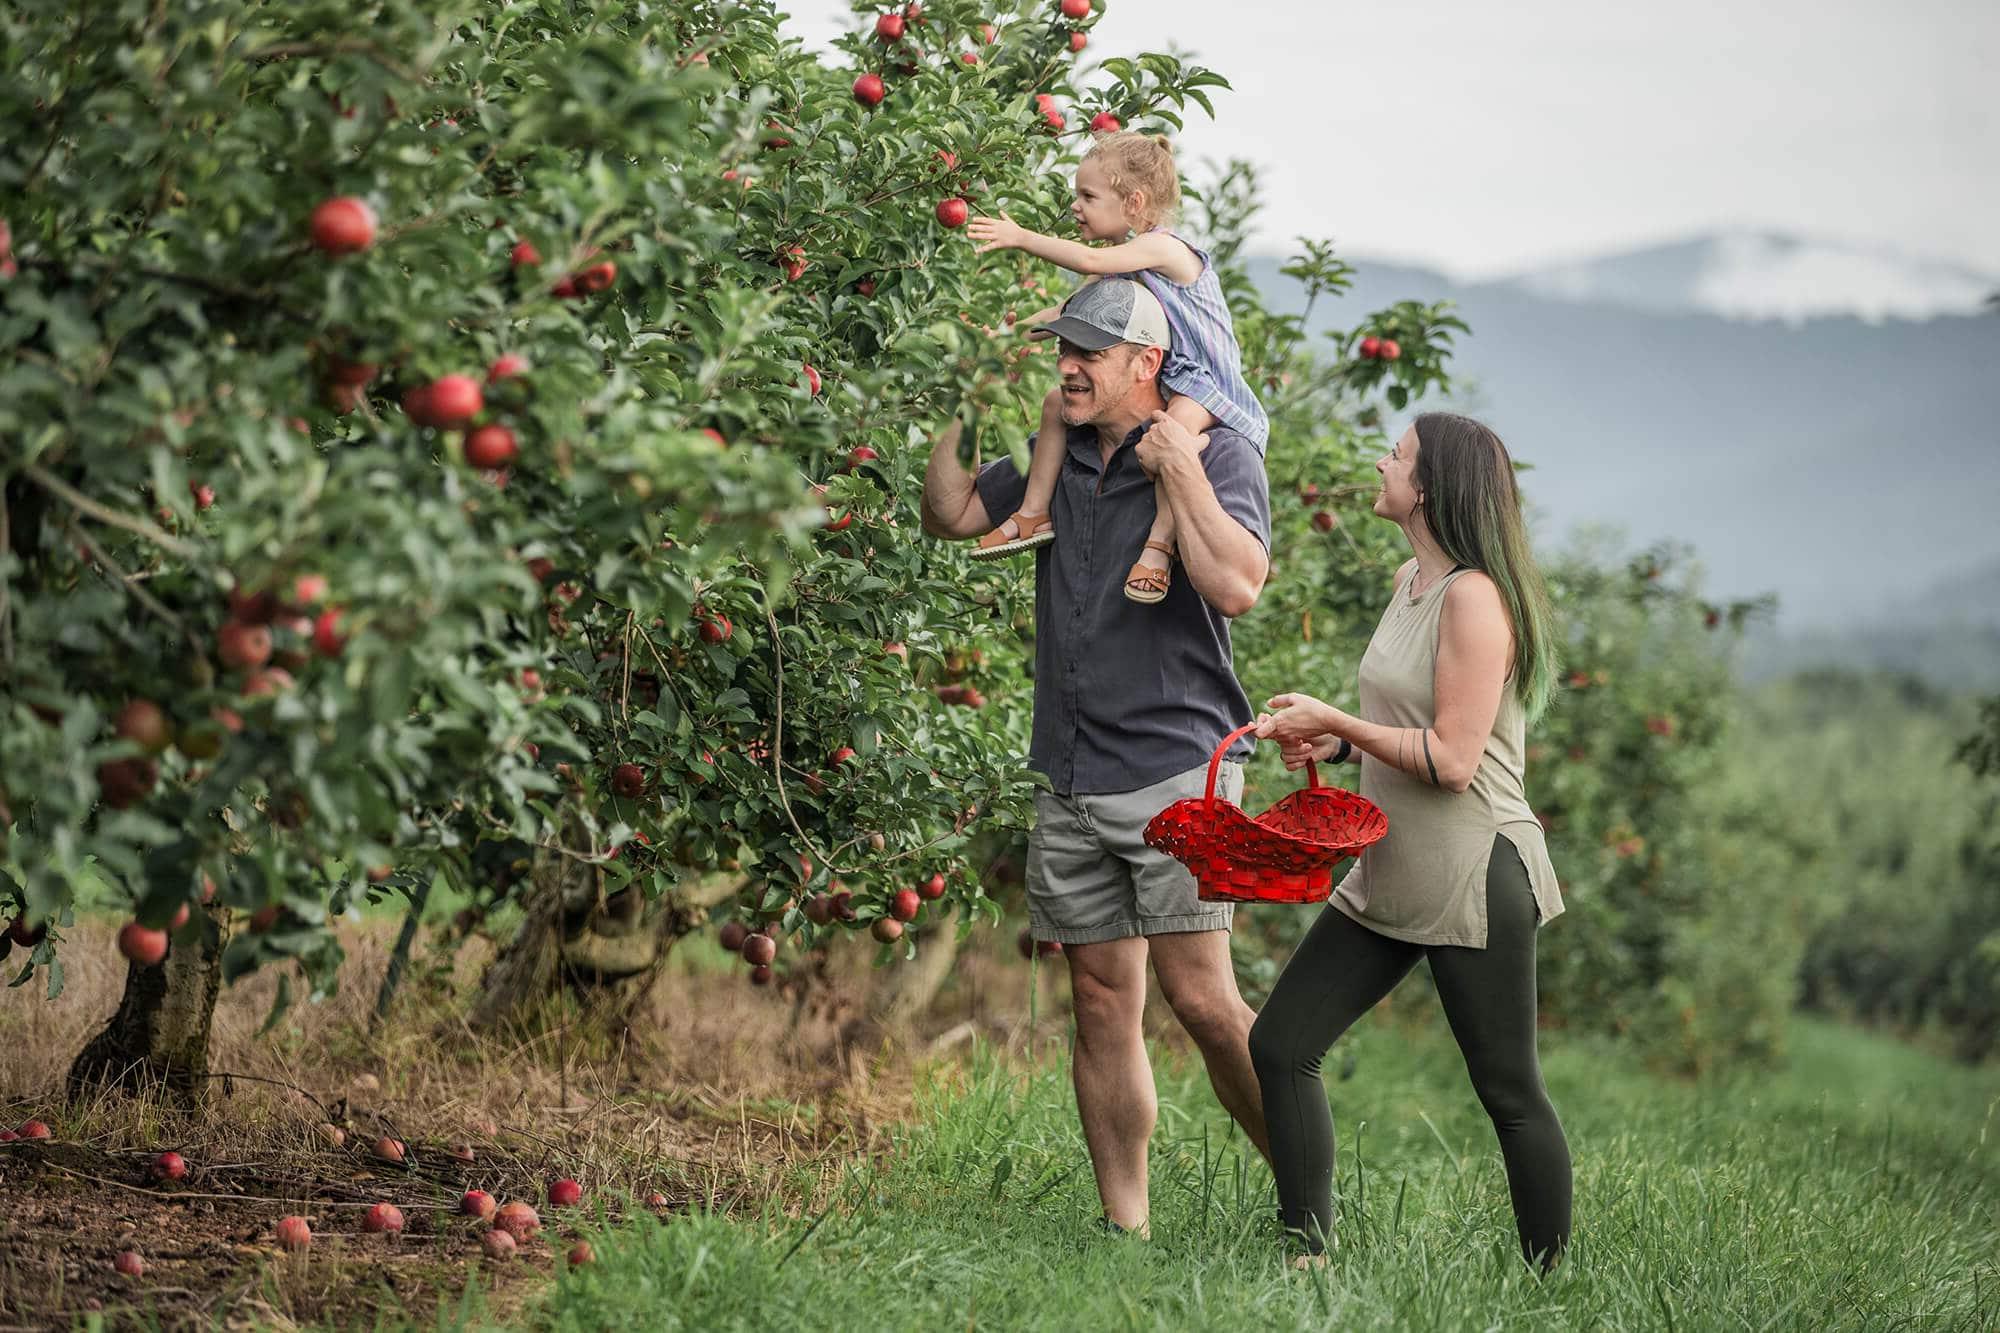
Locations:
column 1114, row 1080
column 1200, row 986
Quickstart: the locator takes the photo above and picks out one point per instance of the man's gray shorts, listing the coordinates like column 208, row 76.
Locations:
column 1091, row 876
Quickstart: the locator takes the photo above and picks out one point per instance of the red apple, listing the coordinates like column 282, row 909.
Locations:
column 759, row 949
column 168, row 1166
column 517, row 1219
column 382, row 1218
column 33, row 1129
column 144, row 947
column 932, row 888
column 343, row 226
column 565, row 1193
column 761, row 974
column 1077, row 41
column 242, row 646
column 388, row 1149
column 865, row 287
column 129, row 1264
column 732, row 935
column 1076, row 9
column 896, row 650
column 204, row 496
column 490, row 447
column 524, row 254
column 1371, row 346
column 353, row 374
column 903, row 904
column 628, row 780
column 293, row 1233
column 507, row 366
column 840, row 756
column 887, row 929
column 889, row 27
column 953, row 212
column 334, row 1135
column 818, row 909
column 476, row 1203
column 263, row 919
column 180, row 917
column 1390, row 349
column 453, row 400
column 967, row 58
column 581, row 1254
column 268, row 680
column 793, row 262
column 869, row 91
column 327, row 639
column 1324, row 521
column 859, row 455
column 497, row 1244
column 1104, row 122
column 657, row 1200
column 716, row 629
column 142, row 722
column 812, row 379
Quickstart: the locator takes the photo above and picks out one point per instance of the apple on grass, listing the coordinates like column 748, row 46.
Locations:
column 476, row 1203
column 33, row 1129
column 168, row 1166
column 497, row 1244
column 129, row 1264
column 388, row 1149
column 294, row 1233
column 517, row 1219
column 565, row 1193
column 581, row 1254
column 382, row 1218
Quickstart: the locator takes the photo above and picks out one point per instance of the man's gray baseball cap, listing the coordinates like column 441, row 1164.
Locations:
column 1111, row 311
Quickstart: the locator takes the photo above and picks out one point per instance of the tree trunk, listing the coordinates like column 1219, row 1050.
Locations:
column 608, row 949
column 159, row 1036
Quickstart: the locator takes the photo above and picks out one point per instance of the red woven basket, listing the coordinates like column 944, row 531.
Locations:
column 1285, row 855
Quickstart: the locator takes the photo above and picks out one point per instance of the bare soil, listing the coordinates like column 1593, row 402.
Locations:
column 715, row 1094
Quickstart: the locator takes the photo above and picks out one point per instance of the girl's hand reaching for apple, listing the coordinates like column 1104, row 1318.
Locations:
column 1295, row 718
column 1001, row 233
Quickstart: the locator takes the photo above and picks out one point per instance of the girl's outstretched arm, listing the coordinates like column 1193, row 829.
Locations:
column 1161, row 252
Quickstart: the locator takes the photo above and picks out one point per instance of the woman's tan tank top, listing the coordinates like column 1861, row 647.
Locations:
column 1425, row 881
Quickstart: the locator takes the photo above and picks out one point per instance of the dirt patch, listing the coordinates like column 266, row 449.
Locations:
column 718, row 1095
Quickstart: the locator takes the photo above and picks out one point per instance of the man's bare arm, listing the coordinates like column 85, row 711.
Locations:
column 951, row 504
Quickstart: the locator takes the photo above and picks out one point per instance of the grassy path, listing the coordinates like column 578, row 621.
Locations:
column 1857, row 1188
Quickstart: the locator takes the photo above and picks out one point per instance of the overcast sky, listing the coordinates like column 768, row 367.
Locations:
column 1485, row 137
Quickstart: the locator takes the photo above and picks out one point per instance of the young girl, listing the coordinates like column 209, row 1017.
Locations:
column 1127, row 184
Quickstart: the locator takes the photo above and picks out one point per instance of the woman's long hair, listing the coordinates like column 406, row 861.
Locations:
column 1473, row 507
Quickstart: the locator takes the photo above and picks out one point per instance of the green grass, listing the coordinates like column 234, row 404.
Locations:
column 1857, row 1188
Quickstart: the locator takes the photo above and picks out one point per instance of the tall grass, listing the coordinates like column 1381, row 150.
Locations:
column 1857, row 1188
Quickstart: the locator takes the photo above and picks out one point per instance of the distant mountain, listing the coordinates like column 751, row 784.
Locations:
column 1850, row 467
column 1758, row 275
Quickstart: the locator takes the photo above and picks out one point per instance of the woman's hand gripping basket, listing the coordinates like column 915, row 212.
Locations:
column 1285, row 855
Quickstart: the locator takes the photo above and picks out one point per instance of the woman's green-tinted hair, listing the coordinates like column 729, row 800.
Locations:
column 1473, row 507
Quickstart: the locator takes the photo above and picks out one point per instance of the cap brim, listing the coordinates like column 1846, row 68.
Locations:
column 1087, row 336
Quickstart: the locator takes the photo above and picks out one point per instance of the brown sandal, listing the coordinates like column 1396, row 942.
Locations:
column 1149, row 585
column 1031, row 530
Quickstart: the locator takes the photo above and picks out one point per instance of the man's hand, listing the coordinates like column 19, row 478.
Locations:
column 1001, row 233
column 1166, row 441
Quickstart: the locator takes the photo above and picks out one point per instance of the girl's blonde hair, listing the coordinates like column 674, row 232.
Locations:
column 1134, row 162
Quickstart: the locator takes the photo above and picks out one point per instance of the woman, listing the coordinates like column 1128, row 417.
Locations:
column 1462, row 660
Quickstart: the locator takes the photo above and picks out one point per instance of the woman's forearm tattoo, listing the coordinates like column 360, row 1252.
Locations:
column 1407, row 743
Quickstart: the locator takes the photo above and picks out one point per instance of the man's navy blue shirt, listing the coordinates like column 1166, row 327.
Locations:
column 1127, row 694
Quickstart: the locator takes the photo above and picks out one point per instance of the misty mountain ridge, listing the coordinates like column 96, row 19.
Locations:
column 1850, row 467
column 1752, row 275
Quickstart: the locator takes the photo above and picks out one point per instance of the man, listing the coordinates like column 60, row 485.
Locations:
column 1130, row 702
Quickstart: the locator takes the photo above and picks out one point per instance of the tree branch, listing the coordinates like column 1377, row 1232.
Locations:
column 83, row 504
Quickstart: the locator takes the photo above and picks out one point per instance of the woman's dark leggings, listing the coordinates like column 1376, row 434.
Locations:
column 1338, row 974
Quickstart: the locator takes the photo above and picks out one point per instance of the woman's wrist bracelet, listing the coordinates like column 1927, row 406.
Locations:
column 1340, row 755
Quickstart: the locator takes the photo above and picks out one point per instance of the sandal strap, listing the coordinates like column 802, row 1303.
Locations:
column 1161, row 547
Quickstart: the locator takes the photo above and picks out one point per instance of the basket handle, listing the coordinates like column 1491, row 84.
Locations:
column 1215, row 763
